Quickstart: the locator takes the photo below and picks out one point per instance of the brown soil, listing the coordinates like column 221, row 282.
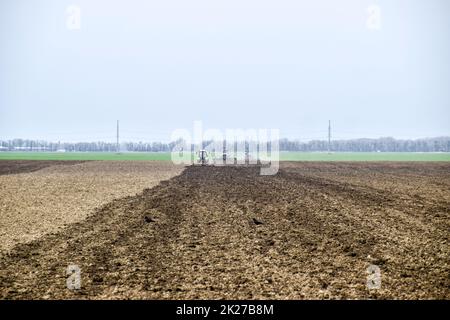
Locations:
column 20, row 166
column 33, row 204
column 311, row 231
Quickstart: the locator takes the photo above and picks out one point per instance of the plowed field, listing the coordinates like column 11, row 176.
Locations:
column 311, row 231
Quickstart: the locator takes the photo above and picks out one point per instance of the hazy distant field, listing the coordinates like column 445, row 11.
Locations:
column 285, row 156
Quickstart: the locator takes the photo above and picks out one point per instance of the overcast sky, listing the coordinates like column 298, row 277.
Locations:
column 287, row 64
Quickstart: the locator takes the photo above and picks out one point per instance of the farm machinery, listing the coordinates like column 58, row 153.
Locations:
column 205, row 158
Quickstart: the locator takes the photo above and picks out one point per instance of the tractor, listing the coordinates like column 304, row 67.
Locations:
column 203, row 157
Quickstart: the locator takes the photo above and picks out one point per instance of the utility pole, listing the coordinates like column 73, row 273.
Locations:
column 117, row 146
column 329, row 136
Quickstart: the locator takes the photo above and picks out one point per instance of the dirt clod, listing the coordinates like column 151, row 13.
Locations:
column 257, row 222
column 148, row 219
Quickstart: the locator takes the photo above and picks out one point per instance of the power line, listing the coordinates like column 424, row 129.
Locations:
column 117, row 146
column 329, row 136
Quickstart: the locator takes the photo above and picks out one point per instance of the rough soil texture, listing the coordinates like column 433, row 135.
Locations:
column 311, row 231
column 33, row 204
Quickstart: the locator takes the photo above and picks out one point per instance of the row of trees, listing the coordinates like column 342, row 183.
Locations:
column 439, row 144
column 99, row 146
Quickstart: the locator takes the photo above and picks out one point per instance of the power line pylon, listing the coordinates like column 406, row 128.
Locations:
column 117, row 144
column 329, row 136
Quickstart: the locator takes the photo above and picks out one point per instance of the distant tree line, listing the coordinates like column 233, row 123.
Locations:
column 439, row 144
column 99, row 146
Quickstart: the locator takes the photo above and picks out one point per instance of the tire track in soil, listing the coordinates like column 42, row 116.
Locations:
column 195, row 236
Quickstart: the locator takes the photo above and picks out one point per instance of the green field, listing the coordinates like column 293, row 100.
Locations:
column 284, row 156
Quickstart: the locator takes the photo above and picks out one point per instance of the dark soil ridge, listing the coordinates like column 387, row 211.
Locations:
column 24, row 166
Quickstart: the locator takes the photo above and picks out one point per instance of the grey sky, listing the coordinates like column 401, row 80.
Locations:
column 287, row 64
